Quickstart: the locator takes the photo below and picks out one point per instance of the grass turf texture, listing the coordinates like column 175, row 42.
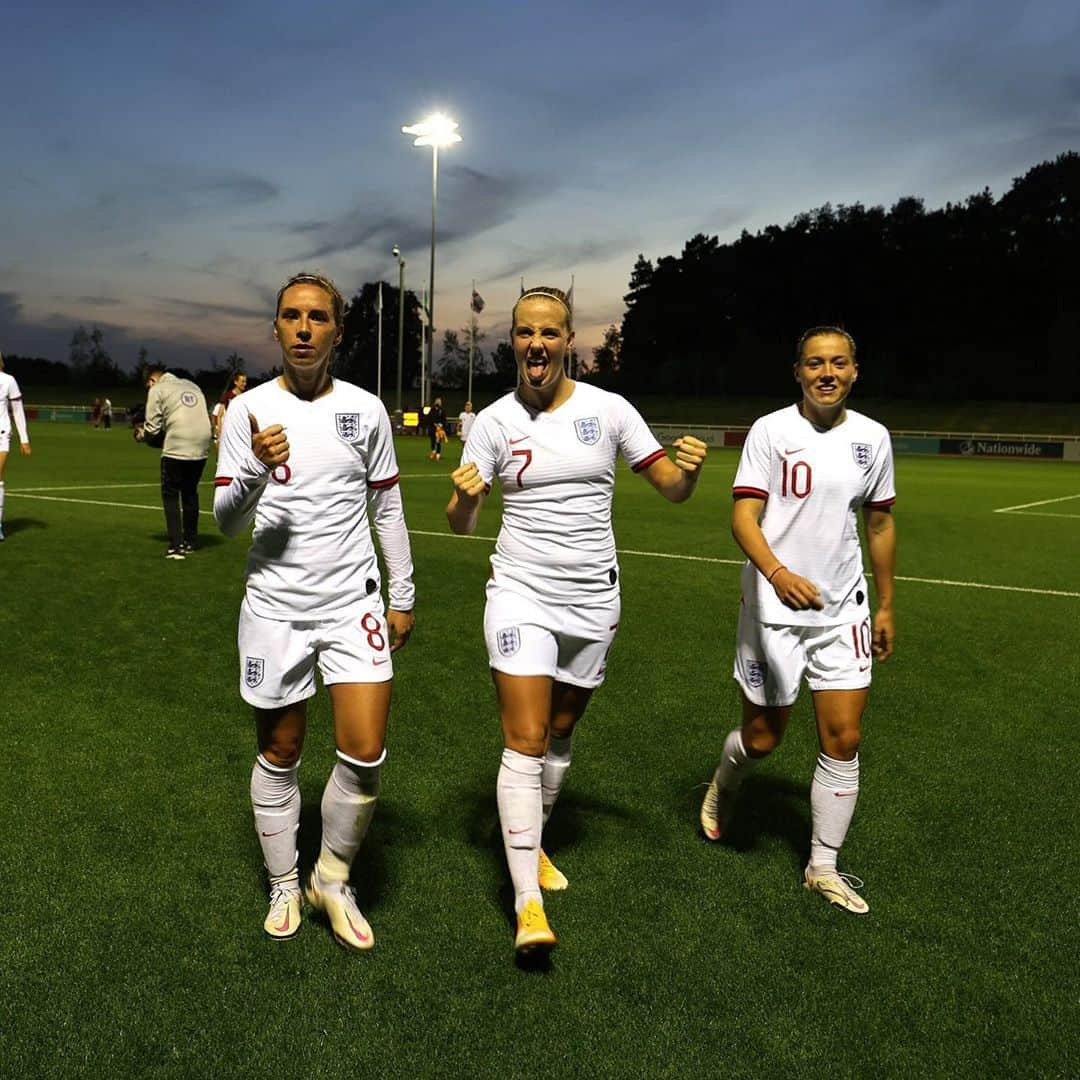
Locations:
column 134, row 943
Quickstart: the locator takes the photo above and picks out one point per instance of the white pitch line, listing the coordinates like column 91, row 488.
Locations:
column 1041, row 502
column 1043, row 513
column 620, row 551
column 87, row 487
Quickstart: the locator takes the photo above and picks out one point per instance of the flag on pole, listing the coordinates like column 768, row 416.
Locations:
column 477, row 302
column 378, row 300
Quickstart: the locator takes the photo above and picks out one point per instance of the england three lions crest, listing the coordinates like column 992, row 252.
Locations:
column 863, row 454
column 588, row 430
column 509, row 640
column 254, row 666
column 348, row 425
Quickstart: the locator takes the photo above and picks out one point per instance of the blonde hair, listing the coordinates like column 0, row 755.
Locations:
column 311, row 277
column 551, row 293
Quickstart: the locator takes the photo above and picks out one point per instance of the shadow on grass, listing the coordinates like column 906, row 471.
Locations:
column 18, row 525
column 206, row 539
column 568, row 827
column 770, row 806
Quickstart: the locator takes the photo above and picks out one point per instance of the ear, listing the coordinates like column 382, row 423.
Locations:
column 276, row 338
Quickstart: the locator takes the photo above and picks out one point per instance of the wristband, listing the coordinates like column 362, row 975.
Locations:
column 775, row 572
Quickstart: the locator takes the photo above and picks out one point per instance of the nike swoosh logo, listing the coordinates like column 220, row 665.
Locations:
column 514, row 442
column 285, row 924
column 355, row 930
column 385, row 660
column 517, row 832
column 845, row 794
column 278, row 833
column 788, row 453
column 865, row 667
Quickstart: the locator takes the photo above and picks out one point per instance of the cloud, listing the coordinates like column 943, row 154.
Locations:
column 198, row 307
column 469, row 203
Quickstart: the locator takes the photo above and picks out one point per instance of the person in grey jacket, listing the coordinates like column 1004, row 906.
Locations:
column 177, row 421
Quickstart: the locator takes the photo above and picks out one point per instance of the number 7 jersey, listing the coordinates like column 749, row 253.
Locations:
column 814, row 483
column 557, row 474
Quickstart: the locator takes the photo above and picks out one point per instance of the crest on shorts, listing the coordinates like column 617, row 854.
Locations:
column 508, row 640
column 348, row 425
column 588, row 430
column 862, row 453
column 254, row 667
column 755, row 674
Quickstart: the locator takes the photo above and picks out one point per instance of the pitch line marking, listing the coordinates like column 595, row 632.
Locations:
column 620, row 551
column 1041, row 513
column 1041, row 502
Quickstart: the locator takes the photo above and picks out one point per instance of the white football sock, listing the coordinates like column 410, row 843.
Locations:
column 734, row 764
column 521, row 816
column 348, row 804
column 275, row 798
column 556, row 766
column 1, row 502
column 833, row 794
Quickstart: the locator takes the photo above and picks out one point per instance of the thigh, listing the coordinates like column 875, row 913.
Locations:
column 769, row 661
column 524, row 710
column 172, row 476
column 3, row 455
column 568, row 704
column 192, row 473
column 839, row 721
column 361, row 711
column 280, row 733
column 277, row 661
column 763, row 726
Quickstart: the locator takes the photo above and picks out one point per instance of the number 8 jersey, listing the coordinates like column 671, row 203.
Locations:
column 557, row 473
column 814, row 483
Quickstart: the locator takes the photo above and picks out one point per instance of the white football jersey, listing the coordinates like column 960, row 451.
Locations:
column 557, row 472
column 11, row 401
column 814, row 483
column 311, row 551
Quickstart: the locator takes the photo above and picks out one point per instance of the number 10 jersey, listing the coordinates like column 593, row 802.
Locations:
column 814, row 483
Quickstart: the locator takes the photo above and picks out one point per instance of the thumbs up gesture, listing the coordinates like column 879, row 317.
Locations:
column 271, row 446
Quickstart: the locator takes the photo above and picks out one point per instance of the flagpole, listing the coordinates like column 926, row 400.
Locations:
column 378, row 378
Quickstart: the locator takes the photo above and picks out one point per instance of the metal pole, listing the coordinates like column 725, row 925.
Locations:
column 400, row 325
column 472, row 339
column 425, row 328
column 378, row 350
column 431, row 276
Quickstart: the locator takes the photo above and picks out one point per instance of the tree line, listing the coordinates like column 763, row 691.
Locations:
column 978, row 299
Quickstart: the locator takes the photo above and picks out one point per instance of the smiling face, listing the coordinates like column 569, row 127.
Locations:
column 826, row 370
column 307, row 331
column 542, row 337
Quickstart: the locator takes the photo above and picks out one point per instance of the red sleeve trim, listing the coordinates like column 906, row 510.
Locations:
column 881, row 504
column 749, row 493
column 656, row 455
column 19, row 398
column 222, row 481
column 390, row 481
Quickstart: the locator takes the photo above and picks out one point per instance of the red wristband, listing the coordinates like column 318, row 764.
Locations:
column 775, row 572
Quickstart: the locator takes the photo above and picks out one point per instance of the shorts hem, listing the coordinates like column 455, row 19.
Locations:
column 270, row 703
column 817, row 684
column 758, row 699
column 389, row 677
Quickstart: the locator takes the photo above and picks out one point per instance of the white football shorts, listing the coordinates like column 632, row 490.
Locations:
column 771, row 661
column 278, row 657
column 528, row 637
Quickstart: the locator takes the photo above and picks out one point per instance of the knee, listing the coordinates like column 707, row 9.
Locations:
column 842, row 745
column 360, row 746
column 282, row 751
column 761, row 741
column 531, row 743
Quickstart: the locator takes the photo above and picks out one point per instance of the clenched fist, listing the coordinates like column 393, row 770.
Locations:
column 271, row 446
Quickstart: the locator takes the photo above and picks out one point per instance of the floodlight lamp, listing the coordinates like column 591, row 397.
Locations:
column 434, row 130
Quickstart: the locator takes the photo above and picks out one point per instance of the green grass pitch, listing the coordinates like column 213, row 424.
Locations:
column 132, row 941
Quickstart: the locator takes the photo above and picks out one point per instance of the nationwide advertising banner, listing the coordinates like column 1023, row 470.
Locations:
column 992, row 446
